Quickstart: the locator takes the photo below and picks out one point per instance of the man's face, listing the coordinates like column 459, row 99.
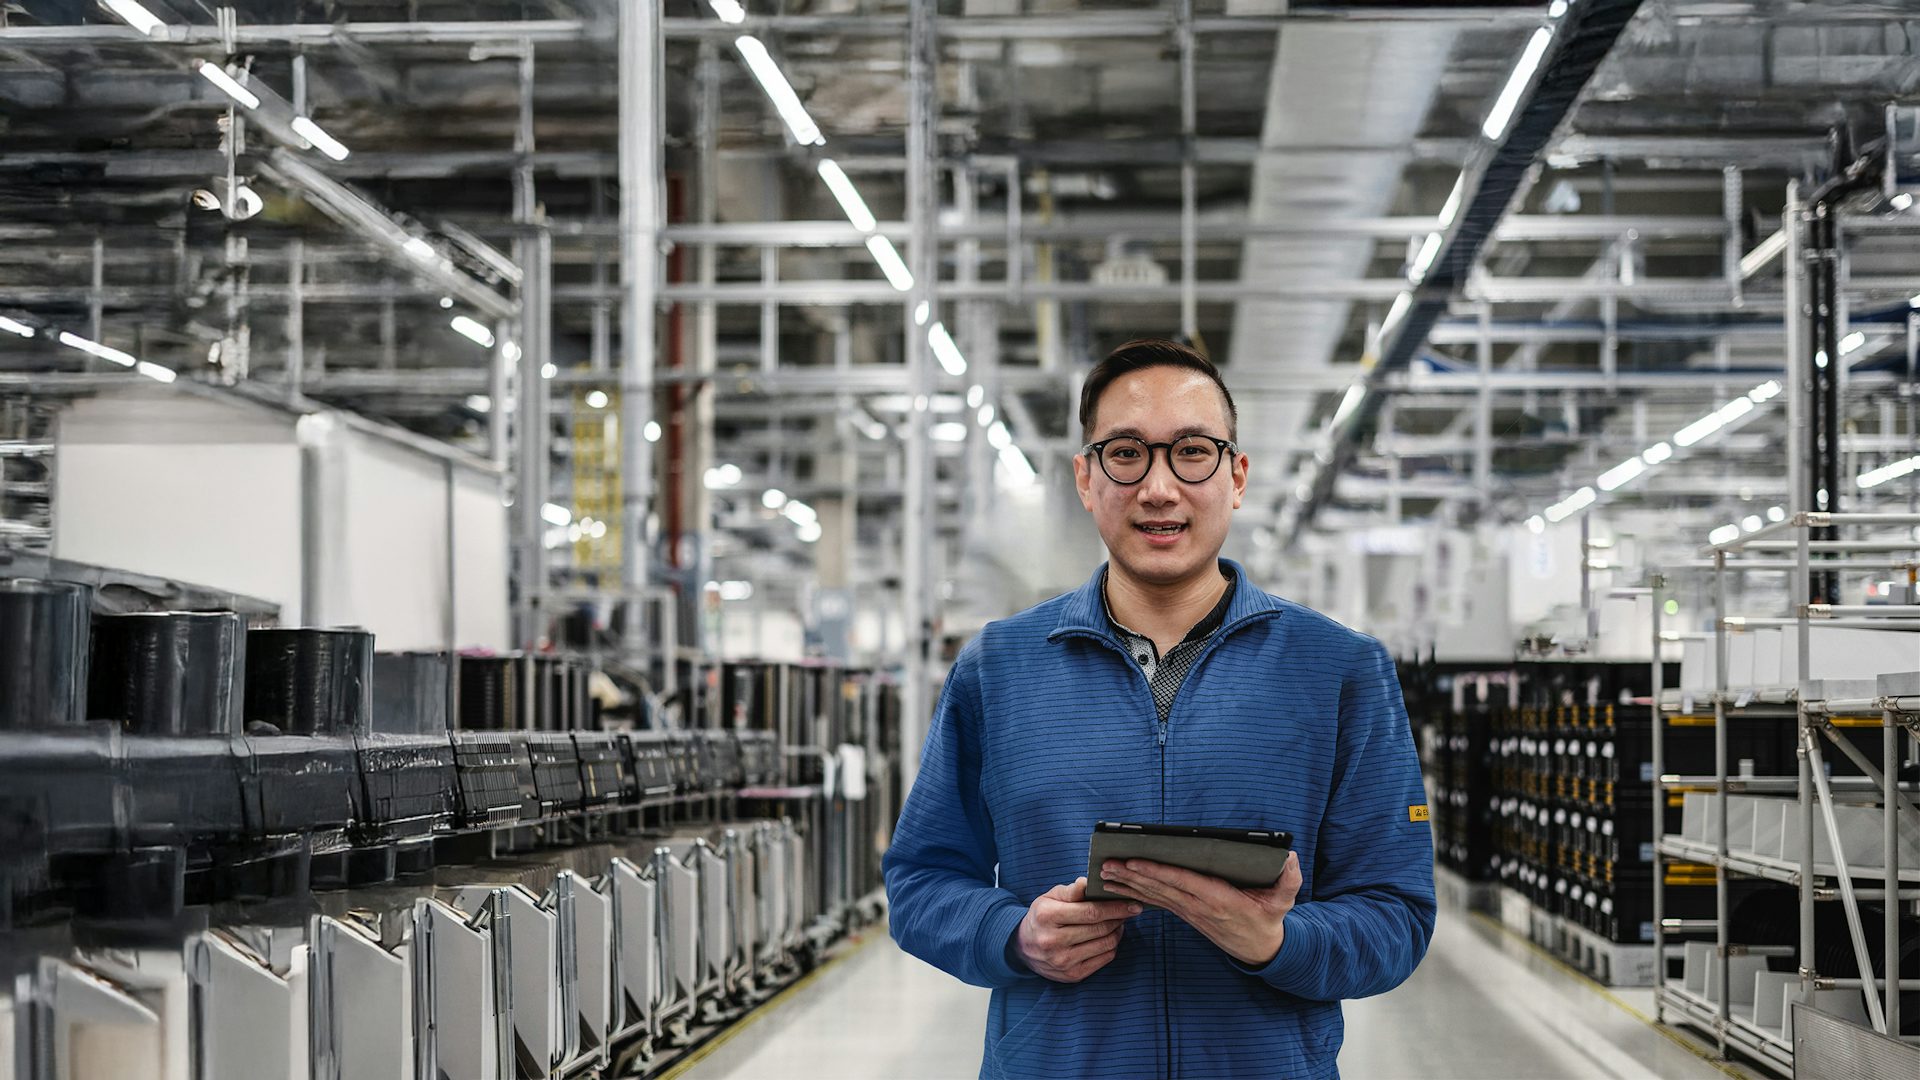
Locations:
column 1161, row 530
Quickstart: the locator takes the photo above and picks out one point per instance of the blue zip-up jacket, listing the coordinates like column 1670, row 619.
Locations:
column 1286, row 720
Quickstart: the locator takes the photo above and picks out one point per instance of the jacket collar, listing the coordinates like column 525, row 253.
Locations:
column 1085, row 611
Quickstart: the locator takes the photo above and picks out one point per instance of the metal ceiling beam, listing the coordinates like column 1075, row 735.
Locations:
column 377, row 225
column 1149, row 226
column 1583, row 36
column 538, row 31
column 1093, row 26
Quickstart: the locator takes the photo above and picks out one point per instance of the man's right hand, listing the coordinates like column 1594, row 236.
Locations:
column 1067, row 937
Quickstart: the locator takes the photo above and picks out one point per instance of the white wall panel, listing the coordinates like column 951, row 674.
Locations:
column 393, row 573
column 181, row 488
column 480, row 562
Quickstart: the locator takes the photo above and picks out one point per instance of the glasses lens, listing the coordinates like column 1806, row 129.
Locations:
column 1125, row 460
column 1195, row 458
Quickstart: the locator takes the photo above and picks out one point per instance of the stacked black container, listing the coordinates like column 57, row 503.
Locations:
column 1574, row 792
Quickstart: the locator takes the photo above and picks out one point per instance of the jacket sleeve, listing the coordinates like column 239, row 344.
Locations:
column 941, row 868
column 1371, row 914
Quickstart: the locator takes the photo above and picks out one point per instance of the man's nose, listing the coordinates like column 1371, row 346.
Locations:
column 1159, row 486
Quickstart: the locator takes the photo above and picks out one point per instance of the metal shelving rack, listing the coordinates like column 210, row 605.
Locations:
column 1818, row 710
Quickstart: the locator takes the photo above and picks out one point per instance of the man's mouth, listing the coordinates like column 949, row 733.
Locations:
column 1161, row 528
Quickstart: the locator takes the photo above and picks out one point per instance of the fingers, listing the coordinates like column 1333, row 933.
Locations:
column 1166, row 886
column 1093, row 911
column 1077, row 933
column 1087, row 950
column 1073, row 892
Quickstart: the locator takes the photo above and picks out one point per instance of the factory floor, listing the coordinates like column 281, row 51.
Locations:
column 1484, row 1005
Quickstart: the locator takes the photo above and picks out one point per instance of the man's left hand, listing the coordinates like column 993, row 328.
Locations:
column 1249, row 924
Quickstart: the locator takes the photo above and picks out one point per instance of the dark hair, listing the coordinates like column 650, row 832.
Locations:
column 1139, row 356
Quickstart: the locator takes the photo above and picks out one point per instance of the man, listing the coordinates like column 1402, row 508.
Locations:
column 1168, row 689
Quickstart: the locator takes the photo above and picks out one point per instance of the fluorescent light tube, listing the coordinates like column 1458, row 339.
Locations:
column 1852, row 341
column 1735, row 409
column 94, row 348
column 1657, row 453
column 1537, row 524
column 555, row 514
column 1764, row 393
column 155, row 372
column 473, row 331
column 945, row 351
column 12, row 327
column 846, row 194
column 134, row 15
column 949, row 432
column 1571, row 505
column 419, row 249
column 998, row 436
column 1354, row 396
column 1723, row 534
column 1699, row 429
column 1422, row 262
column 1875, row 477
column 318, row 136
column 729, row 11
column 897, row 273
column 1452, row 207
column 785, row 101
column 1622, row 473
column 1509, row 98
column 218, row 76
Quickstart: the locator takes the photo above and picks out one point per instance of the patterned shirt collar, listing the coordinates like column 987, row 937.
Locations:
column 1201, row 630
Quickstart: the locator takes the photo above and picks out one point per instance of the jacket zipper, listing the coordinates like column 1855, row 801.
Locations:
column 1219, row 636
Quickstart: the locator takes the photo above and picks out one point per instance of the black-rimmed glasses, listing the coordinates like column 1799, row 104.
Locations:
column 1193, row 458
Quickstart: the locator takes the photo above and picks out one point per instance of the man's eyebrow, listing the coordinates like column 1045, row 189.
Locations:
column 1135, row 433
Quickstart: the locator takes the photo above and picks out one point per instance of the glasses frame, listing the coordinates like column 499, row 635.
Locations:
column 1097, row 450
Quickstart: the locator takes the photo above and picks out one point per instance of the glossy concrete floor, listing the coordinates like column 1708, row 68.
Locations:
column 1483, row 1005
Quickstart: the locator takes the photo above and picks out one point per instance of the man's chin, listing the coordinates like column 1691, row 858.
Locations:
column 1154, row 567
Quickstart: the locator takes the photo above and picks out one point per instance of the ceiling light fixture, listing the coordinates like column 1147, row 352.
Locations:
column 419, row 249
column 779, row 91
column 1423, row 261
column 1570, row 505
column 555, row 514
column 897, row 273
column 729, row 11
column 1657, row 453
column 1873, row 478
column 945, row 351
column 317, row 135
column 473, row 331
column 651, row 432
column 847, row 195
column 1509, row 98
column 1452, row 206
column 975, row 395
column 94, row 348
column 1723, row 534
column 1622, row 473
column 156, row 372
column 218, row 76
column 597, row 399
column 12, row 327
column 135, row 15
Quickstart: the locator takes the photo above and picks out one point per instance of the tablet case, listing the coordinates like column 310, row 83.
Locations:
column 1244, row 864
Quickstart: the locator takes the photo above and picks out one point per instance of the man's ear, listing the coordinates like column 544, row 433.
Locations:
column 1083, row 481
column 1240, row 465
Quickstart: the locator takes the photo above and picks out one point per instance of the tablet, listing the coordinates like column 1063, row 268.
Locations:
column 1248, row 858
